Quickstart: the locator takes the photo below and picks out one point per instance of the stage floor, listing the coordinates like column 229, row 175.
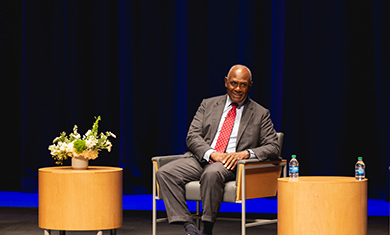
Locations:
column 19, row 215
column 21, row 221
column 376, row 207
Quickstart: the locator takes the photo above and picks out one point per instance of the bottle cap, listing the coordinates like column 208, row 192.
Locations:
column 293, row 156
column 360, row 158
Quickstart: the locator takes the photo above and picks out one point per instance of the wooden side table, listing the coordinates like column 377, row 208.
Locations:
column 80, row 199
column 322, row 205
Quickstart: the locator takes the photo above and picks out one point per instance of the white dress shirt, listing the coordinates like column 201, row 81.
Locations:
column 231, row 147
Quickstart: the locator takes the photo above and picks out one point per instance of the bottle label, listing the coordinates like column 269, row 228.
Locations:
column 359, row 171
column 294, row 169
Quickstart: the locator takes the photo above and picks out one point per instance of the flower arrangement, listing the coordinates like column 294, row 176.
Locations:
column 75, row 146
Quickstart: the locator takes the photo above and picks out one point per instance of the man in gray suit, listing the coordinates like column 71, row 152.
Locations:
column 252, row 135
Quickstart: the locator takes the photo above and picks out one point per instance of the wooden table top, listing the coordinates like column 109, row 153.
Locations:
column 321, row 179
column 90, row 169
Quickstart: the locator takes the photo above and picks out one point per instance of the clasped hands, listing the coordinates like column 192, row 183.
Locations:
column 229, row 160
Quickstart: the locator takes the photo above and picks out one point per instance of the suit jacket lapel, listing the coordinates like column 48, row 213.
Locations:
column 216, row 116
column 246, row 116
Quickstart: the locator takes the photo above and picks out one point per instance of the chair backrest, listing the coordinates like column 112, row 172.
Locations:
column 280, row 141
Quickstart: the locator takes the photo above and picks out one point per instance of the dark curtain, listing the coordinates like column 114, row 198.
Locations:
column 321, row 67
column 336, row 88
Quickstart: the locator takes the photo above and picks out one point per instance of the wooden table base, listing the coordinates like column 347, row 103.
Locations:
column 322, row 206
column 80, row 199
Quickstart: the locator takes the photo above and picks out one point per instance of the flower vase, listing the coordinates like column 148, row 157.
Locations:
column 79, row 163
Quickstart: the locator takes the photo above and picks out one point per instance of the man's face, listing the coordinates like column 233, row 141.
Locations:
column 238, row 85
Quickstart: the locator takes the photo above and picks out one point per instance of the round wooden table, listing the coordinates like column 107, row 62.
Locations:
column 322, row 205
column 80, row 199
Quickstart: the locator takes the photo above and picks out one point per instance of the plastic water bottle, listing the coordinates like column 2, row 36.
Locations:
column 293, row 167
column 360, row 169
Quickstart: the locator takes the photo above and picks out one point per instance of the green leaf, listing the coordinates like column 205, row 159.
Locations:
column 96, row 126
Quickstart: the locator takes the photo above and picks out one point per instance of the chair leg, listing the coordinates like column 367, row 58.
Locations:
column 154, row 215
column 154, row 219
column 198, row 214
column 243, row 217
column 243, row 206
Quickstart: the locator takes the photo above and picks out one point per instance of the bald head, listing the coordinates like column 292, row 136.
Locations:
column 240, row 70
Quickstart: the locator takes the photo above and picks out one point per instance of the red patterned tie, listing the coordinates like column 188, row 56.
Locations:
column 227, row 127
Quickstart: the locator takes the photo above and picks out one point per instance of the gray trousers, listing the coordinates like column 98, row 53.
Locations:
column 173, row 176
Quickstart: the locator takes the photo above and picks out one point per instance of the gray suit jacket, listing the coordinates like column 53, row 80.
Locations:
column 256, row 131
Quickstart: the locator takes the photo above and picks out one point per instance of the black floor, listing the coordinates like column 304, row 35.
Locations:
column 18, row 221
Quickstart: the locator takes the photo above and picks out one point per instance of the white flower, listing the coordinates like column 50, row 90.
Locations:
column 109, row 133
column 69, row 148
column 88, row 133
column 75, row 135
column 91, row 143
column 53, row 150
column 62, row 146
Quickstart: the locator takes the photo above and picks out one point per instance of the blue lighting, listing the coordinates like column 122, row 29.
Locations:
column 376, row 207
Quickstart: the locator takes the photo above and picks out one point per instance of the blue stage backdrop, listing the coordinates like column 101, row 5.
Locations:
column 321, row 67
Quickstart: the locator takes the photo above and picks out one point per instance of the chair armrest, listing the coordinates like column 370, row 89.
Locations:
column 162, row 160
column 158, row 162
column 256, row 164
column 248, row 161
